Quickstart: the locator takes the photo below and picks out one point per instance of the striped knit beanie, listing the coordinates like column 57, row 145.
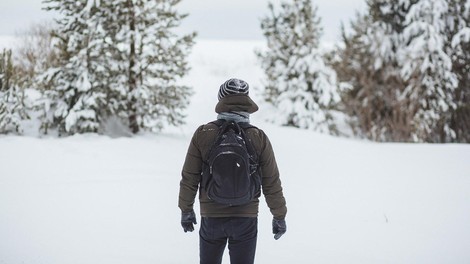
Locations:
column 233, row 86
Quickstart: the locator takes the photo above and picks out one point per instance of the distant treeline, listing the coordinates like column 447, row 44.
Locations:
column 401, row 71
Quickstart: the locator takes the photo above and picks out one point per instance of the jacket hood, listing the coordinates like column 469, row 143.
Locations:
column 236, row 102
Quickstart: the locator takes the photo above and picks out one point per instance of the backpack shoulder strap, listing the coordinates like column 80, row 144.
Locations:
column 218, row 122
column 240, row 127
column 246, row 125
column 225, row 125
column 251, row 149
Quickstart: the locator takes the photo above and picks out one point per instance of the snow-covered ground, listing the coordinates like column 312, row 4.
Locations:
column 92, row 199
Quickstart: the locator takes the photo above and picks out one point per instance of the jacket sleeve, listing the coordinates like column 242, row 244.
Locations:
column 270, row 181
column 191, row 176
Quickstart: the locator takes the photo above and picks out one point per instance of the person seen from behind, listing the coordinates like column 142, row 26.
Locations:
column 230, row 162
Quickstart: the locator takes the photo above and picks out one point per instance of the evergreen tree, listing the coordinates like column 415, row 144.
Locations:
column 148, row 60
column 426, row 65
column 459, row 32
column 73, row 104
column 400, row 65
column 298, row 84
column 12, row 110
column 118, row 59
column 368, row 62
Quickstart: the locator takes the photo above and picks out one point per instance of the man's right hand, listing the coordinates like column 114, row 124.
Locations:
column 187, row 221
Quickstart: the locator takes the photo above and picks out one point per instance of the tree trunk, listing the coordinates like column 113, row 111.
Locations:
column 133, row 125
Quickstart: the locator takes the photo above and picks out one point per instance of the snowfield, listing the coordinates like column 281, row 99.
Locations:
column 92, row 199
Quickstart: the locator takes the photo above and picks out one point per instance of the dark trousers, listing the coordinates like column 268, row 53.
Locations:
column 240, row 232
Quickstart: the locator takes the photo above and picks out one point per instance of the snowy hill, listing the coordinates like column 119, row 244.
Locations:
column 95, row 199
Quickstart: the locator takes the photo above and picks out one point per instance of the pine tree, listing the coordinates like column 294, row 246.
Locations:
column 363, row 100
column 298, row 84
column 369, row 62
column 73, row 104
column 459, row 33
column 149, row 59
column 118, row 59
column 12, row 109
column 426, row 65
column 404, row 72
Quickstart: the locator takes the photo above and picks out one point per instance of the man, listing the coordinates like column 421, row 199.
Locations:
column 222, row 222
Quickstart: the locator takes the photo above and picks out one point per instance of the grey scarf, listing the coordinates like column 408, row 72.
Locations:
column 237, row 116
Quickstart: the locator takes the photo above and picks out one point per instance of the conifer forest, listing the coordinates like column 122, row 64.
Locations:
column 400, row 73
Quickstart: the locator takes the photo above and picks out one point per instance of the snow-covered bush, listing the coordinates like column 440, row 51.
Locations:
column 12, row 110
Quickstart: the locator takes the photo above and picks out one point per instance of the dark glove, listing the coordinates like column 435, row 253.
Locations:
column 187, row 221
column 279, row 228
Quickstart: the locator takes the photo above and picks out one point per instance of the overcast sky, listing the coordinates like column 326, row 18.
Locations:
column 212, row 19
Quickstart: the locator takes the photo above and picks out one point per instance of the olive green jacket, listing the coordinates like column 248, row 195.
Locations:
column 199, row 147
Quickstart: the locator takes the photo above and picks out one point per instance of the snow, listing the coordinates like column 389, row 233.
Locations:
column 462, row 36
column 95, row 199
column 7, row 42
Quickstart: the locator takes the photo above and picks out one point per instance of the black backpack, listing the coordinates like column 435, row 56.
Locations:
column 230, row 171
